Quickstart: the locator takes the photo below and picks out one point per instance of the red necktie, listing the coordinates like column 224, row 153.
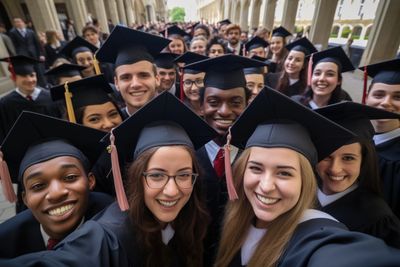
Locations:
column 51, row 243
column 219, row 164
column 29, row 97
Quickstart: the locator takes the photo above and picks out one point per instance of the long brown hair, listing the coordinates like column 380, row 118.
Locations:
column 283, row 83
column 190, row 225
column 239, row 215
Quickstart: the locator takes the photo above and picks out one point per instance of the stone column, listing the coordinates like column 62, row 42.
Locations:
column 244, row 15
column 129, row 12
column 384, row 39
column 44, row 15
column 321, row 24
column 269, row 14
column 289, row 14
column 255, row 6
column 121, row 12
column 111, row 7
column 100, row 13
column 78, row 13
column 227, row 9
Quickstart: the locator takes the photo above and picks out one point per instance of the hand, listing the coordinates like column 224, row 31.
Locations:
column 42, row 58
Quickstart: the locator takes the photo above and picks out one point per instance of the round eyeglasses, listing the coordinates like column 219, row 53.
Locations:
column 157, row 180
column 189, row 83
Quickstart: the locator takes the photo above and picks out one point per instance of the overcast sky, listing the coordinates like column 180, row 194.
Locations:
column 189, row 6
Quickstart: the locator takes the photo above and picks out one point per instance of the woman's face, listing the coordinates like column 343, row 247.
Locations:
column 199, row 47
column 325, row 78
column 103, row 117
column 272, row 182
column 166, row 202
column 341, row 169
column 294, row 62
column 176, row 46
column 384, row 96
column 216, row 50
column 200, row 31
column 192, row 84
column 276, row 44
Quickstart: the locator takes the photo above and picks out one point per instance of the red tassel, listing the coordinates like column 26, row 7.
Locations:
column 228, row 169
column 182, row 93
column 6, row 183
column 11, row 69
column 118, row 184
column 309, row 71
column 364, row 96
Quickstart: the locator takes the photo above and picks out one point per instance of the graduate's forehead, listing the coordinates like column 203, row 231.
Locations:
column 224, row 93
column 140, row 66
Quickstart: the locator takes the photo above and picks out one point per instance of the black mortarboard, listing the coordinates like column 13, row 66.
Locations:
column 281, row 31
column 259, row 70
column 21, row 65
column 77, row 45
column 302, row 45
column 189, row 58
column 225, row 72
column 166, row 60
column 335, row 55
column 92, row 90
column 256, row 42
column 65, row 70
column 173, row 30
column 271, row 65
column 48, row 138
column 356, row 117
column 274, row 120
column 387, row 72
column 127, row 46
column 224, row 22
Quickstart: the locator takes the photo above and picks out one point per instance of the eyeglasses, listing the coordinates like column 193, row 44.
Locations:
column 254, row 86
column 157, row 180
column 189, row 83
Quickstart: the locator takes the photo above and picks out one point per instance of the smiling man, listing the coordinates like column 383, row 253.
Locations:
column 53, row 171
column 133, row 54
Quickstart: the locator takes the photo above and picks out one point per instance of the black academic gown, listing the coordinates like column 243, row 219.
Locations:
column 325, row 242
column 389, row 165
column 272, row 80
column 366, row 212
column 12, row 104
column 108, row 240
column 103, row 172
column 21, row 234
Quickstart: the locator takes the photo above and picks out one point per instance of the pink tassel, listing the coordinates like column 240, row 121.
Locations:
column 166, row 33
column 182, row 93
column 6, row 183
column 118, row 184
column 364, row 96
column 228, row 169
column 309, row 71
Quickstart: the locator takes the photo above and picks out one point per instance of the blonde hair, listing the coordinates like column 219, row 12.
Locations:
column 239, row 215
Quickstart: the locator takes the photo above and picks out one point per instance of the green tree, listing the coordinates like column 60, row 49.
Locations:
column 177, row 14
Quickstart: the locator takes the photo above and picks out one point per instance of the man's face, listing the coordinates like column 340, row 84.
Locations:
column 19, row 23
column 137, row 83
column 26, row 83
column 233, row 36
column 91, row 37
column 85, row 59
column 222, row 107
column 167, row 79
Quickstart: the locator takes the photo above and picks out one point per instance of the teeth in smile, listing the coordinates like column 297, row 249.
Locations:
column 137, row 93
column 61, row 210
column 225, row 121
column 337, row 178
column 167, row 203
column 266, row 200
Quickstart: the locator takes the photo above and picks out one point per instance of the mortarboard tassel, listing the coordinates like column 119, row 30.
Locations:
column 309, row 71
column 8, row 189
column 181, row 93
column 68, row 104
column 96, row 65
column 166, row 32
column 119, row 186
column 228, row 169
column 11, row 69
column 364, row 96
column 244, row 51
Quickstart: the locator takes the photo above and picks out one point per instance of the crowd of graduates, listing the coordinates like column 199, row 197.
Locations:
column 198, row 145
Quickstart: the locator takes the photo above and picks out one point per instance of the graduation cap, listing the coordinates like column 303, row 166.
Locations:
column 225, row 72
column 259, row 70
column 256, row 42
column 127, row 46
column 48, row 138
column 335, row 55
column 189, row 58
column 166, row 60
column 174, row 30
column 77, row 45
column 281, row 32
column 65, row 70
column 302, row 45
column 356, row 117
column 225, row 22
column 92, row 90
column 156, row 124
column 20, row 65
column 274, row 120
